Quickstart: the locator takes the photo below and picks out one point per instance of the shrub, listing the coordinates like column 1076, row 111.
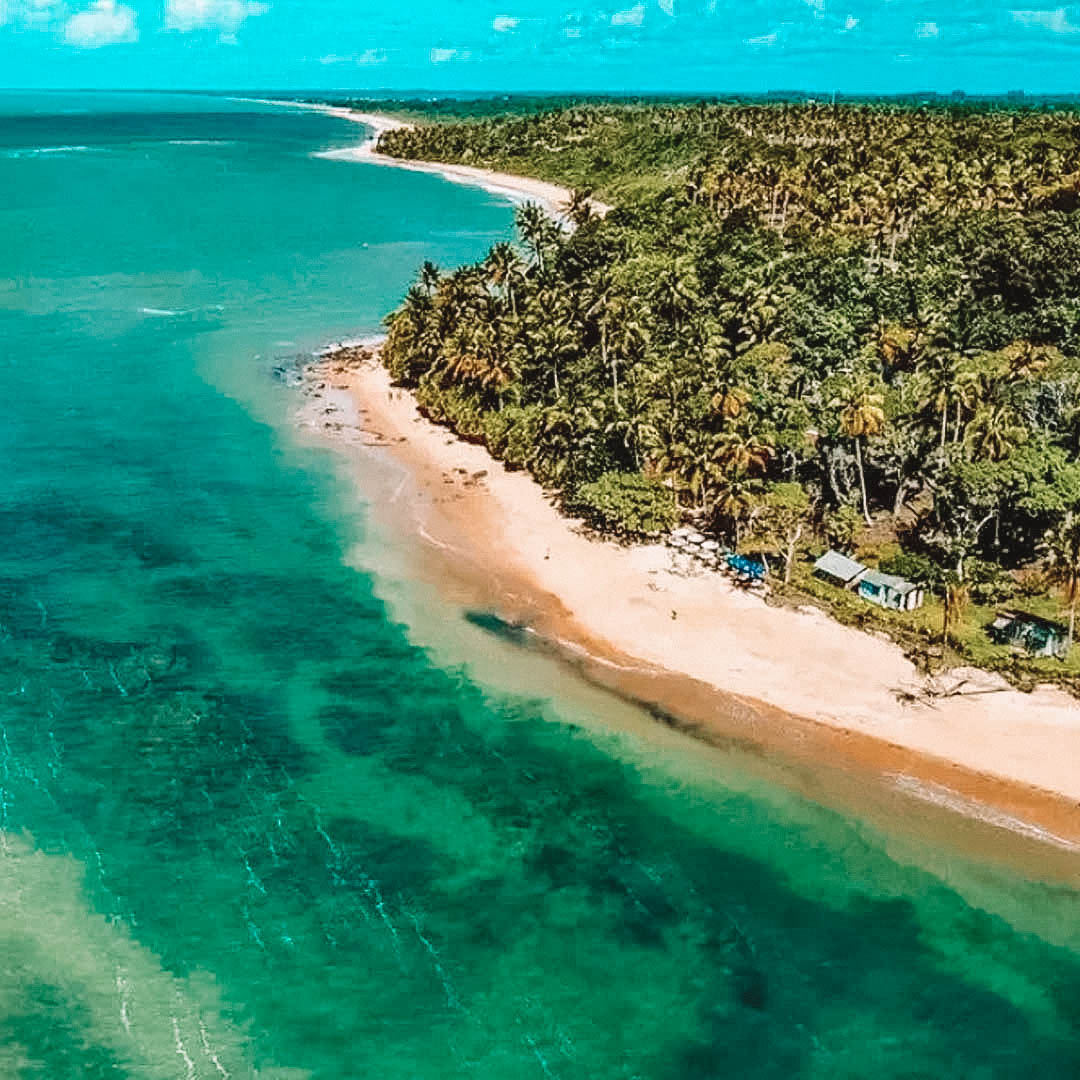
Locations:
column 990, row 584
column 521, row 440
column 452, row 406
column 842, row 525
column 626, row 504
column 914, row 567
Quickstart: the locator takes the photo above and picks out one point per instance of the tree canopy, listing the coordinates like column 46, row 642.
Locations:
column 877, row 305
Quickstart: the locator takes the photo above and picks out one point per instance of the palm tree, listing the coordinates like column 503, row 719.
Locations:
column 429, row 277
column 1028, row 361
column 1063, row 552
column 742, row 453
column 940, row 370
column 956, row 599
column 675, row 294
column 536, row 230
column 863, row 417
column 578, row 208
column 994, row 432
column 734, row 502
column 552, row 334
column 501, row 264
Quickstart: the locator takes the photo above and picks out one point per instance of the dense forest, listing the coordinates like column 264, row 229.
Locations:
column 801, row 325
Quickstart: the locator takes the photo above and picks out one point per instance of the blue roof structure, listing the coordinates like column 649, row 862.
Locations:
column 840, row 567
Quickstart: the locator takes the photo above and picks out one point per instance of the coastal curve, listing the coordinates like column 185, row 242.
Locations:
column 551, row 198
column 717, row 661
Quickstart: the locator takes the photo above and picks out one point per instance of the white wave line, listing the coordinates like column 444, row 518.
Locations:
column 439, row 543
column 380, row 907
column 181, row 1051
column 121, row 989
column 951, row 800
column 253, row 878
column 209, row 1052
column 448, row 987
column 253, row 930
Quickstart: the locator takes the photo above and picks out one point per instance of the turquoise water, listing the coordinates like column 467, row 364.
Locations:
column 249, row 826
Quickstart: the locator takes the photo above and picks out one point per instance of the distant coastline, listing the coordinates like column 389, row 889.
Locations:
column 518, row 189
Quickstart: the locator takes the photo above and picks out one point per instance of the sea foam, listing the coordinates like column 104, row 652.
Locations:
column 42, row 151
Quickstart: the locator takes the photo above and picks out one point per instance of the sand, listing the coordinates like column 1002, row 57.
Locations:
column 719, row 661
column 723, row 663
column 517, row 189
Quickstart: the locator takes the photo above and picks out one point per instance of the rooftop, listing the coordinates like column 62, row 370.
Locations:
column 1004, row 618
column 839, row 566
column 889, row 581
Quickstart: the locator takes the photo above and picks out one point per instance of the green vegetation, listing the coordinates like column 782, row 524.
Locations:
column 805, row 323
column 626, row 504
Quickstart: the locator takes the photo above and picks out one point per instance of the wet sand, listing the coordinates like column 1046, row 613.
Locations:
column 706, row 657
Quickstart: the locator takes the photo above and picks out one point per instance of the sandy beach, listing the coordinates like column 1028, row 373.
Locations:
column 517, row 189
column 721, row 663
column 718, row 661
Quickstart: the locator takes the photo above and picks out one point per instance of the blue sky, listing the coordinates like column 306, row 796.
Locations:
column 691, row 45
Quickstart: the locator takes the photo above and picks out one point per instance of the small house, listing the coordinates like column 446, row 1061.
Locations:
column 1038, row 637
column 890, row 591
column 839, row 570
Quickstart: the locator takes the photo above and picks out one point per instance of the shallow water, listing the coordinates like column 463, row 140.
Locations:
column 255, row 822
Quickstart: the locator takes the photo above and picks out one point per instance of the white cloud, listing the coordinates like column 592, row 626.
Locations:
column 501, row 24
column 818, row 6
column 850, row 23
column 1056, row 21
column 104, row 22
column 364, row 59
column 630, row 17
column 33, row 14
column 572, row 32
column 444, row 56
column 223, row 15
column 764, row 39
column 667, row 7
column 927, row 30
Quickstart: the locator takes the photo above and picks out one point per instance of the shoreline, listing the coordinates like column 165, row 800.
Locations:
column 726, row 667
column 517, row 189
column 634, row 623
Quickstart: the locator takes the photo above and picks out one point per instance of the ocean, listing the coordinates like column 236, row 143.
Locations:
column 269, row 808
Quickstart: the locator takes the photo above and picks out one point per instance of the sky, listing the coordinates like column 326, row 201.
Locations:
column 697, row 46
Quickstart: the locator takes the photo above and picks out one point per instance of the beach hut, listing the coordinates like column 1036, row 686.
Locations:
column 1039, row 637
column 890, row 591
column 839, row 570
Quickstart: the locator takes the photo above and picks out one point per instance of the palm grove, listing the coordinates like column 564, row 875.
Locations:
column 800, row 322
